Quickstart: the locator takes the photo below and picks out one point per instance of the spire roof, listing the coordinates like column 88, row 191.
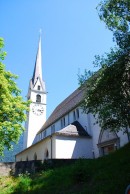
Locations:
column 38, row 64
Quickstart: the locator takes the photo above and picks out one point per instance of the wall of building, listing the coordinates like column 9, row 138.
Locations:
column 73, row 147
column 123, row 138
column 40, row 149
column 69, row 118
column 95, row 131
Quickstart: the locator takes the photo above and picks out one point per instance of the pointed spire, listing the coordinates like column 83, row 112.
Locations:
column 38, row 64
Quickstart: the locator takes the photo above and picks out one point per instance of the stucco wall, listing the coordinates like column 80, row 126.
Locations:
column 95, row 130
column 40, row 149
column 73, row 147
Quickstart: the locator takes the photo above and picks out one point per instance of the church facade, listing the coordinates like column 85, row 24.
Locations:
column 68, row 133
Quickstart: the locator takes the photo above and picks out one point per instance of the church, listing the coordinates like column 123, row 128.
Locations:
column 68, row 133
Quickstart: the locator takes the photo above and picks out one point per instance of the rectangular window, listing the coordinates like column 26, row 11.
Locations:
column 63, row 122
column 77, row 113
column 74, row 116
column 44, row 134
column 40, row 135
column 52, row 129
column 68, row 119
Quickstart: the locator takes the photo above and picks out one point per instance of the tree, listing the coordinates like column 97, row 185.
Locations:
column 12, row 106
column 107, row 95
column 116, row 15
column 107, row 92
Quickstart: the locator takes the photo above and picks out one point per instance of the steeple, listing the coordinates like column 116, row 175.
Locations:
column 36, row 116
column 38, row 64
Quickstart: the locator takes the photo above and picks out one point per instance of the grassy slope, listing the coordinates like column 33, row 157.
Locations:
column 110, row 174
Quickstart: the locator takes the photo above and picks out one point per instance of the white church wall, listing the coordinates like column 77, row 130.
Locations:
column 35, row 123
column 123, row 138
column 85, row 121
column 37, row 84
column 95, row 128
column 40, row 149
column 95, row 131
column 73, row 147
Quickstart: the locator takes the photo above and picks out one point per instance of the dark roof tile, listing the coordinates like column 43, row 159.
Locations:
column 74, row 129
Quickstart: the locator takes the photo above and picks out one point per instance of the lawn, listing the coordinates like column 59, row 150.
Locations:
column 106, row 175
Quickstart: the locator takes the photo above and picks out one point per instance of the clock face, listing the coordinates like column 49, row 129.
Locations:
column 38, row 109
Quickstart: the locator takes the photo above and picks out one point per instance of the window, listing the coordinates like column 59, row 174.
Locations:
column 46, row 154
column 38, row 87
column 35, row 156
column 63, row 122
column 40, row 136
column 74, row 116
column 44, row 134
column 27, row 158
column 77, row 113
column 38, row 98
column 68, row 119
column 52, row 129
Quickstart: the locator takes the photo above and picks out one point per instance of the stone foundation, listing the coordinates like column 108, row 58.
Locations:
column 23, row 167
column 6, row 169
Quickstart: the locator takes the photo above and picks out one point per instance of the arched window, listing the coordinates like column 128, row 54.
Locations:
column 38, row 98
column 46, row 154
column 27, row 158
column 38, row 87
column 35, row 156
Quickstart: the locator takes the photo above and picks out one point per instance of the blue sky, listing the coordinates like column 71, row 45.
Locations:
column 72, row 35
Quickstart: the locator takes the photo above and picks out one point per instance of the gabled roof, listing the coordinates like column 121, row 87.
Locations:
column 64, row 107
column 74, row 129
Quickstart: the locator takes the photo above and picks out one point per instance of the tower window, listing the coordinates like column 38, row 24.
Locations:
column 38, row 87
column 38, row 98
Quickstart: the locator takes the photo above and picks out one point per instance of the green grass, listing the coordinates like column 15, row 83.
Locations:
column 107, row 175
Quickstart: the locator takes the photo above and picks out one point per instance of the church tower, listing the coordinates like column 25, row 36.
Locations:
column 36, row 116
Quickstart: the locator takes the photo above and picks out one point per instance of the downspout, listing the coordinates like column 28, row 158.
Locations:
column 51, row 146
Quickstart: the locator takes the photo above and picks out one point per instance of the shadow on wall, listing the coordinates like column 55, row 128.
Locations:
column 83, row 148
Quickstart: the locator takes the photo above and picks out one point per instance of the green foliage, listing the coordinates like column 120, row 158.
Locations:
column 107, row 92
column 101, row 176
column 116, row 15
column 24, row 183
column 12, row 106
